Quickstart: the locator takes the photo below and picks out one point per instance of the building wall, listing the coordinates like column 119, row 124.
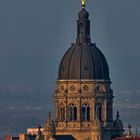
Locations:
column 97, row 99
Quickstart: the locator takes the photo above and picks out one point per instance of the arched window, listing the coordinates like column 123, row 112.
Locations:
column 75, row 113
column 72, row 112
column 82, row 28
column 62, row 113
column 88, row 113
column 85, row 112
column 98, row 110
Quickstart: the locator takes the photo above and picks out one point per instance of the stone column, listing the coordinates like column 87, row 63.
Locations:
column 92, row 110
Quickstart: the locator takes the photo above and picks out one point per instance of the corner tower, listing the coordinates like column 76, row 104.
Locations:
column 83, row 97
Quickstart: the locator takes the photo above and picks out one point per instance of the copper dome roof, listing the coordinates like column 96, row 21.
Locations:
column 83, row 62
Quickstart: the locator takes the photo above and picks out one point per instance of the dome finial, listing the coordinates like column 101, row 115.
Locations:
column 83, row 3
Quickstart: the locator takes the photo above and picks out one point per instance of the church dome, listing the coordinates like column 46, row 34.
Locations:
column 83, row 62
column 118, row 123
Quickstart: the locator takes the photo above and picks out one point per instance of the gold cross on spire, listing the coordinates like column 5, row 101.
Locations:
column 83, row 3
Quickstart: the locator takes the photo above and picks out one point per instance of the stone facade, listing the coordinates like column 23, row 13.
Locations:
column 84, row 109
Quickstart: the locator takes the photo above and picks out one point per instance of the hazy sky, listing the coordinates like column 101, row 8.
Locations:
column 34, row 34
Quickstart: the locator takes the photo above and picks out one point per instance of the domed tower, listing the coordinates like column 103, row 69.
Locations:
column 84, row 98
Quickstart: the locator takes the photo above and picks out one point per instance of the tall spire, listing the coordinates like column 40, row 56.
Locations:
column 83, row 25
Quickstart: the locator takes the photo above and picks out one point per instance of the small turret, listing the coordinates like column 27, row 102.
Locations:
column 118, row 123
column 49, row 128
column 129, row 133
column 118, row 126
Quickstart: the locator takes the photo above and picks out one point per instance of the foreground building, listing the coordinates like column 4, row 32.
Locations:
column 83, row 95
column 129, row 136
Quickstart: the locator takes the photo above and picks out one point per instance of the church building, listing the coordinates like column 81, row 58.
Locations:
column 83, row 95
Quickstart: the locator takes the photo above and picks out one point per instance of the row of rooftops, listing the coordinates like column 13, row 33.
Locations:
column 33, row 133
